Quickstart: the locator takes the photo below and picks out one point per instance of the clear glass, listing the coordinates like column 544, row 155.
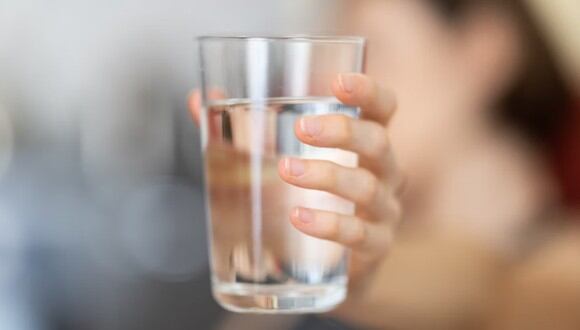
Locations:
column 253, row 91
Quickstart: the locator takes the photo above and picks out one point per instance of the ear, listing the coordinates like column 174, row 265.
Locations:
column 492, row 46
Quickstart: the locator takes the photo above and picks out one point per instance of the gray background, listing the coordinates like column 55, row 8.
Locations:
column 101, row 211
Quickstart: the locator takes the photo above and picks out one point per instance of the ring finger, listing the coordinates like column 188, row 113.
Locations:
column 347, row 230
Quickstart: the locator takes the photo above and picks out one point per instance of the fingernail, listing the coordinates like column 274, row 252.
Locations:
column 294, row 167
column 304, row 215
column 347, row 82
column 310, row 125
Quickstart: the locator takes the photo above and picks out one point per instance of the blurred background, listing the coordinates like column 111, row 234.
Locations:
column 101, row 217
column 101, row 212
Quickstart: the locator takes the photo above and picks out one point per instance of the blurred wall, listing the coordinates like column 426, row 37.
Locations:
column 560, row 22
column 101, row 211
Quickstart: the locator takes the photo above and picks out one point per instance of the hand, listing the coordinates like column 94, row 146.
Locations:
column 374, row 186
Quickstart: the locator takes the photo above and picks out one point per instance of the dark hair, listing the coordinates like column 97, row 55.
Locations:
column 538, row 102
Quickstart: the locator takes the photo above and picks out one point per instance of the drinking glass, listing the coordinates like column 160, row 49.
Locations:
column 253, row 91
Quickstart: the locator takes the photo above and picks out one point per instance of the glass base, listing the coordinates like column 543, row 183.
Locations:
column 279, row 299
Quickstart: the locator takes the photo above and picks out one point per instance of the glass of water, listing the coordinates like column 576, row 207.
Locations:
column 253, row 91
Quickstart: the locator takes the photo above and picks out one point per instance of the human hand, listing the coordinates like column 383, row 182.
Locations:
column 374, row 186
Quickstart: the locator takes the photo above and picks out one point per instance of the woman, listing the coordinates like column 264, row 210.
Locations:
column 479, row 100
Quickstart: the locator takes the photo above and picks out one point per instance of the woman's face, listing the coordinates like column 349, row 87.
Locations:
column 415, row 53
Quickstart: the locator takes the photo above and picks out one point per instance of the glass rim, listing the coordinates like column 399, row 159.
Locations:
column 288, row 38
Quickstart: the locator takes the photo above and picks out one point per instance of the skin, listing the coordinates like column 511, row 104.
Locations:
column 473, row 185
column 374, row 186
column 543, row 291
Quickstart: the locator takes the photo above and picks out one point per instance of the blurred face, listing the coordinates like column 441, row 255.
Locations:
column 426, row 62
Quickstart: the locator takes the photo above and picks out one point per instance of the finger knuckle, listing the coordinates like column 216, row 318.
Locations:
column 321, row 175
column 381, row 144
column 389, row 101
column 368, row 94
column 344, row 129
column 332, row 176
column 358, row 235
column 370, row 187
column 333, row 229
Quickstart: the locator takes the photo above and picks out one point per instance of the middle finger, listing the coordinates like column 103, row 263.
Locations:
column 367, row 138
column 355, row 184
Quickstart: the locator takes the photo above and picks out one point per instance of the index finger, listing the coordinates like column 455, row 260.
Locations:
column 359, row 90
